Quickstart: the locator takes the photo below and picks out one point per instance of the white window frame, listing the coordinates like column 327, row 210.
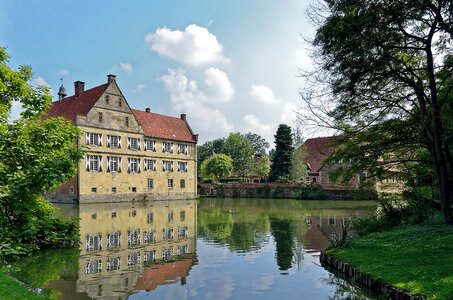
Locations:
column 149, row 144
column 114, row 163
column 170, row 183
column 150, row 183
column 134, row 143
column 183, row 166
column 93, row 139
column 113, row 141
column 183, row 149
column 133, row 165
column 93, row 163
column 167, row 147
column 149, row 165
column 167, row 165
column 133, row 237
column 93, row 242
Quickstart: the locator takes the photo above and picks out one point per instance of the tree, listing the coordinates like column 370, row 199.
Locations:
column 386, row 66
column 208, row 149
column 281, row 164
column 241, row 151
column 35, row 157
column 298, row 167
column 216, row 167
column 263, row 166
column 260, row 145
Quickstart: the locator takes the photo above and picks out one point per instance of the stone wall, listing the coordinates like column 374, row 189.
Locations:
column 281, row 190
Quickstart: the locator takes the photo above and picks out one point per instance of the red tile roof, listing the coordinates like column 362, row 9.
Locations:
column 318, row 149
column 166, row 127
column 161, row 274
column 71, row 106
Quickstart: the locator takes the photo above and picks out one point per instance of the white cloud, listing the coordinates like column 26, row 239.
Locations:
column 140, row 87
column 218, row 86
column 126, row 67
column 41, row 81
column 288, row 115
column 63, row 72
column 193, row 46
column 186, row 97
column 253, row 124
column 16, row 109
column 263, row 94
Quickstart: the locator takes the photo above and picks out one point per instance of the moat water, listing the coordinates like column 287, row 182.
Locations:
column 197, row 249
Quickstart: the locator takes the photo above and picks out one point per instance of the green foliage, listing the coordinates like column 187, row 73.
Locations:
column 298, row 171
column 284, row 148
column 208, row 149
column 341, row 239
column 260, row 145
column 11, row 289
column 241, row 151
column 416, row 258
column 216, row 167
column 262, row 166
column 35, row 157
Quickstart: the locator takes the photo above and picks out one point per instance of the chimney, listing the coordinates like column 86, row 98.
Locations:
column 183, row 117
column 148, row 110
column 110, row 78
column 79, row 88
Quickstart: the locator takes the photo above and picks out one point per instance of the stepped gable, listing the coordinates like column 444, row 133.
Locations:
column 318, row 150
column 70, row 107
column 165, row 127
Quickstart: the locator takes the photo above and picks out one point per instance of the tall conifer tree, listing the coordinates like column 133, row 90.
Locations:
column 281, row 164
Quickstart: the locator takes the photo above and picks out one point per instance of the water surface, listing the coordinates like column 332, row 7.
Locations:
column 197, row 249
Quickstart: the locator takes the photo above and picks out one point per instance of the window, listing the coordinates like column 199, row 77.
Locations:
column 93, row 266
column 183, row 232
column 100, row 117
column 183, row 149
column 93, row 139
column 150, row 145
column 149, row 255
column 170, row 183
column 150, row 183
column 167, row 234
column 120, row 102
column 182, row 183
column 150, row 217
column 167, row 147
column 133, row 259
column 93, row 242
column 182, row 166
column 113, row 263
column 133, row 213
column 113, row 240
column 149, row 165
column 167, row 253
column 133, row 143
column 114, row 164
column 133, row 237
column 134, row 189
column 149, row 237
column 94, row 190
column 113, row 189
column 114, row 214
column 182, row 250
column 133, row 165
column 167, row 166
column 94, row 163
column 94, row 216
column 170, row 216
column 182, row 215
column 113, row 141
column 107, row 99
column 127, row 122
column 71, row 190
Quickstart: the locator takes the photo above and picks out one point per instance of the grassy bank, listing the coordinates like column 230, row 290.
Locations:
column 417, row 259
column 11, row 289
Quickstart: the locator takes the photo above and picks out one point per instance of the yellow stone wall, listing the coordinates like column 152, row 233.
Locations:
column 113, row 123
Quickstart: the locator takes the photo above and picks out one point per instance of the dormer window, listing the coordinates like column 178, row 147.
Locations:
column 107, row 99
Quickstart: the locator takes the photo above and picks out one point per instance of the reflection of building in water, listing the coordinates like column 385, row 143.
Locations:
column 126, row 247
column 320, row 228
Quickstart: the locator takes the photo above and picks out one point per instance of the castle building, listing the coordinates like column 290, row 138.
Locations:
column 130, row 154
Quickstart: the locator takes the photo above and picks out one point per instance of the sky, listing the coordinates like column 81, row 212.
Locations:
column 231, row 66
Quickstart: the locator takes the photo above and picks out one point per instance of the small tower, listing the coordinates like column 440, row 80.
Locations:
column 61, row 91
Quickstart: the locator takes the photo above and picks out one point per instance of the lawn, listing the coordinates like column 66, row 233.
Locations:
column 417, row 259
column 11, row 289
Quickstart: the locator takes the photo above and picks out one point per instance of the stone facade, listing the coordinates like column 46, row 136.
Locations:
column 130, row 154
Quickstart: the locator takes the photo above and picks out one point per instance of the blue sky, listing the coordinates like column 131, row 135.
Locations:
column 231, row 66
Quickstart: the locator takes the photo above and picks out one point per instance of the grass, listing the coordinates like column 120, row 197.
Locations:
column 417, row 259
column 11, row 289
